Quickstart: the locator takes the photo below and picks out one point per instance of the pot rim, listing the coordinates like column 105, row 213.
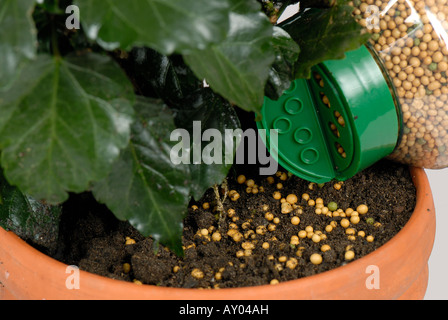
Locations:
column 142, row 291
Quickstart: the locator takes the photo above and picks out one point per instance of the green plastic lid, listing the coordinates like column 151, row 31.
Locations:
column 337, row 123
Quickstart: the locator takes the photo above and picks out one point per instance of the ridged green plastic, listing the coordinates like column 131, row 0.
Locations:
column 358, row 89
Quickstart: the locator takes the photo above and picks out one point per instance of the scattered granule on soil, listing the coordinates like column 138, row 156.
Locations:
column 256, row 244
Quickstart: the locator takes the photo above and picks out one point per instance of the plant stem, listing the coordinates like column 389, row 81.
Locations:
column 221, row 210
column 54, row 39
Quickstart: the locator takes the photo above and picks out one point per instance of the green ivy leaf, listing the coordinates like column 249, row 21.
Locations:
column 18, row 40
column 238, row 67
column 145, row 187
column 63, row 124
column 28, row 218
column 324, row 34
column 166, row 26
column 282, row 72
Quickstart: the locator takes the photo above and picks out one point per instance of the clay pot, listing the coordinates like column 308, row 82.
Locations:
column 397, row 270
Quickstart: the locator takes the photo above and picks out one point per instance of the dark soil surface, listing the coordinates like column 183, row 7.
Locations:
column 94, row 240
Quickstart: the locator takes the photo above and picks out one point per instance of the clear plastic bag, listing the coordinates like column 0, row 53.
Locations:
column 410, row 39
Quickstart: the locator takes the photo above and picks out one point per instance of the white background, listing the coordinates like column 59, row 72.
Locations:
column 438, row 262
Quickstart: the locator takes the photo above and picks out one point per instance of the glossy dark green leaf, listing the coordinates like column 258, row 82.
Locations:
column 171, row 80
column 209, row 111
column 28, row 218
column 282, row 72
column 145, row 187
column 324, row 34
column 238, row 67
column 63, row 124
column 165, row 25
column 159, row 76
column 18, row 41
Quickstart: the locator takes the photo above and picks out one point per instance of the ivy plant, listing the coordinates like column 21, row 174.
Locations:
column 91, row 109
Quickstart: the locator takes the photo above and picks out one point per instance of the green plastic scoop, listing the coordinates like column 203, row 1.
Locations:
column 337, row 123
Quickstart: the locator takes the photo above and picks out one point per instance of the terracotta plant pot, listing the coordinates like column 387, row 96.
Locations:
column 397, row 270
